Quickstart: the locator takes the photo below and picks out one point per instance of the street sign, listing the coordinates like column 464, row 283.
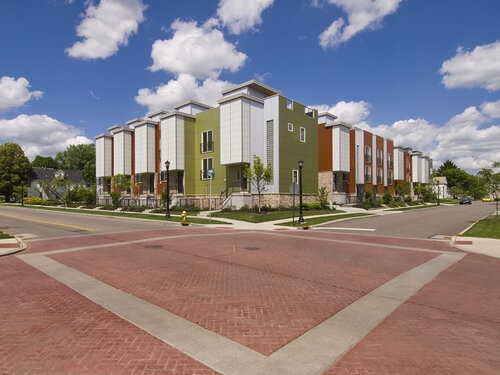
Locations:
column 294, row 188
column 211, row 173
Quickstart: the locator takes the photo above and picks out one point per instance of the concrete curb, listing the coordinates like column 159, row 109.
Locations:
column 8, row 249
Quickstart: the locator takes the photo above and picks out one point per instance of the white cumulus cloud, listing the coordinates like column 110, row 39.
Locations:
column 40, row 134
column 353, row 113
column 242, row 15
column 15, row 93
column 477, row 68
column 180, row 90
column 105, row 27
column 200, row 51
column 361, row 15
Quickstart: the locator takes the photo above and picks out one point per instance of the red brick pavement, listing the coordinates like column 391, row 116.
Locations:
column 257, row 289
column 452, row 326
column 47, row 328
column 261, row 290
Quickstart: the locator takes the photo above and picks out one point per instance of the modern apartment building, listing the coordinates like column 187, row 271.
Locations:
column 352, row 161
column 197, row 140
column 251, row 119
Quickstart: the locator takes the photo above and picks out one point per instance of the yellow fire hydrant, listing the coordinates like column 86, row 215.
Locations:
column 184, row 215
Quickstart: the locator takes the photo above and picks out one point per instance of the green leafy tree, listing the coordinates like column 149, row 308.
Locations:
column 323, row 197
column 448, row 164
column 80, row 158
column 15, row 169
column 44, row 162
column 259, row 176
column 491, row 179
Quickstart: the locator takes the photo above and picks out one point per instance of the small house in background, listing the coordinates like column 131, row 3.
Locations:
column 439, row 185
column 52, row 184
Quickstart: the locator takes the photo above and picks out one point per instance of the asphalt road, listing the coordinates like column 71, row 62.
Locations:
column 420, row 223
column 36, row 223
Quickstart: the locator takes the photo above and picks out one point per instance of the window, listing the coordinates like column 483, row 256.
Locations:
column 295, row 176
column 368, row 155
column 368, row 174
column 206, row 166
column 290, row 127
column 379, row 176
column 390, row 178
column 302, row 134
column 379, row 157
column 289, row 104
column 390, row 163
column 207, row 144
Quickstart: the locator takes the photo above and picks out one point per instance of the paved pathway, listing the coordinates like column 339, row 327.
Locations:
column 211, row 300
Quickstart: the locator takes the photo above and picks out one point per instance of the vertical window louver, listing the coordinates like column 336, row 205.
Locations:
column 270, row 145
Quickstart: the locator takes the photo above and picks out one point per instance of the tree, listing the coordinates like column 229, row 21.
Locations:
column 448, row 164
column 15, row 169
column 80, row 158
column 259, row 176
column 44, row 162
column 492, row 181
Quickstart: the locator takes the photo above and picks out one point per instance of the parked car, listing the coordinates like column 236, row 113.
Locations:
column 466, row 200
column 487, row 199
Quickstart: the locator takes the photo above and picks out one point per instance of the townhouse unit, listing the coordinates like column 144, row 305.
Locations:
column 200, row 141
column 353, row 161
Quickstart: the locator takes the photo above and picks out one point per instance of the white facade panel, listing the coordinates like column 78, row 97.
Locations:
column 360, row 149
column 385, row 162
column 122, row 153
column 341, row 149
column 235, row 131
column 172, row 143
column 399, row 164
column 145, row 149
column 416, row 164
column 103, row 150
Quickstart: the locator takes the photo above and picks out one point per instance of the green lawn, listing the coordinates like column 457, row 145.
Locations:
column 324, row 219
column 489, row 227
column 4, row 235
column 255, row 217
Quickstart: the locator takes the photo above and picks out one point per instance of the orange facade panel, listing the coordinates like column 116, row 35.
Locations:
column 325, row 149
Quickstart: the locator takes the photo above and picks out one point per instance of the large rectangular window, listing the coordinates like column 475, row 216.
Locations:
column 379, row 176
column 368, row 155
column 207, row 144
column 380, row 159
column 368, row 174
column 206, row 166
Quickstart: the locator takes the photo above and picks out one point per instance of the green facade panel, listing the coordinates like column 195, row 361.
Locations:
column 292, row 149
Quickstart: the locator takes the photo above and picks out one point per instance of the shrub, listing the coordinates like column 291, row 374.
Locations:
column 387, row 198
column 116, row 199
column 34, row 200
column 311, row 206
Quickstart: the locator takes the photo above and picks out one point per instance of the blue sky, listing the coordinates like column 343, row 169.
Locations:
column 425, row 73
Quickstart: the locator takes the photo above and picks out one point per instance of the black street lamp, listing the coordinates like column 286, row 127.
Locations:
column 301, row 217
column 438, row 191
column 167, row 213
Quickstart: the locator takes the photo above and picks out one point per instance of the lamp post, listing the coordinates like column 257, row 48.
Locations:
column 167, row 212
column 438, row 191
column 301, row 217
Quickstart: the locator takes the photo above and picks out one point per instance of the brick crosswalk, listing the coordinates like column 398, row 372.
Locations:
column 260, row 293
